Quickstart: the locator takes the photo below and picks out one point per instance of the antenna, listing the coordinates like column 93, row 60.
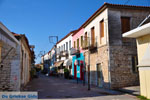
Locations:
column 53, row 39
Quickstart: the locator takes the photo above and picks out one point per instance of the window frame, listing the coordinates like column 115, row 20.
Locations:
column 93, row 36
column 102, row 34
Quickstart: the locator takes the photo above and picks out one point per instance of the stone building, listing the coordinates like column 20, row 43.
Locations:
column 25, row 58
column 142, row 35
column 113, row 59
column 9, row 61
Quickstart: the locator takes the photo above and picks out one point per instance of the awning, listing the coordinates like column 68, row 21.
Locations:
column 145, row 61
column 67, row 62
column 57, row 64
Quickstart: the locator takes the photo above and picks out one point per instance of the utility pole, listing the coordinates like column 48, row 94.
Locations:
column 89, row 64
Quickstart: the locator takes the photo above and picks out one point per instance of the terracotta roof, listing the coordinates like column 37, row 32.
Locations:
column 108, row 5
column 66, row 36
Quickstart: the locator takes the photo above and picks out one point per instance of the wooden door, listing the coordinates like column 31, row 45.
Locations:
column 75, row 71
column 81, row 71
column 99, row 76
column 92, row 36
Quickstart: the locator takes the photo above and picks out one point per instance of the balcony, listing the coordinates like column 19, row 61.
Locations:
column 85, row 44
column 93, row 46
column 74, row 51
column 64, row 53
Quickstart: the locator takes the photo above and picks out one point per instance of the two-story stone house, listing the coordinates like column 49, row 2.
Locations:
column 113, row 59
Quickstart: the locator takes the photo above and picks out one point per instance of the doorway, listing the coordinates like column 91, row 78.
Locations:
column 81, row 71
column 99, row 75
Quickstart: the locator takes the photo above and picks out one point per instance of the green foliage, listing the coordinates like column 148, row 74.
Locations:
column 142, row 98
column 33, row 72
column 66, row 73
column 66, row 70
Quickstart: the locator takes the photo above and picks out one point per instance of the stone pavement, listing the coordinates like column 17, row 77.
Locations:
column 59, row 88
column 133, row 90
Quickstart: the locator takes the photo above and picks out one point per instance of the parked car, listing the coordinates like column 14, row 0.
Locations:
column 53, row 71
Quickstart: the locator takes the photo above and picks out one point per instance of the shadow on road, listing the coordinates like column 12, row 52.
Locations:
column 60, row 88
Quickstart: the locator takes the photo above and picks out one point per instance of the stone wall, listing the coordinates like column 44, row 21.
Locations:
column 10, row 68
column 122, row 49
column 115, row 57
column 98, row 57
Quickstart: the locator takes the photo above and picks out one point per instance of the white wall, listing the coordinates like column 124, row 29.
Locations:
column 69, row 38
column 96, row 24
column 26, row 65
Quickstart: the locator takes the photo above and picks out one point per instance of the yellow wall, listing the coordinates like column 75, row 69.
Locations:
column 142, row 44
column 145, row 81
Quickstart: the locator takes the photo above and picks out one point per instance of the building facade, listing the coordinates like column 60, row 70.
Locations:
column 9, row 61
column 112, row 58
column 25, row 58
column 64, row 58
column 142, row 35
column 52, row 54
column 78, row 62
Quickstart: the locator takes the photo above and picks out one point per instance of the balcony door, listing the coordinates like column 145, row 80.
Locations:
column 92, row 36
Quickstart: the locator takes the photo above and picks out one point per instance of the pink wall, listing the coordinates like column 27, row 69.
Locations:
column 76, row 36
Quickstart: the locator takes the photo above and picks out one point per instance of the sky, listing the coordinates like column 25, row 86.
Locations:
column 39, row 19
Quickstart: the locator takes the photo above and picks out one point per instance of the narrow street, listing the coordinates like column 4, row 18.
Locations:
column 59, row 88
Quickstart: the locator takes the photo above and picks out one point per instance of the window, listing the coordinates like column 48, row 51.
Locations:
column 66, row 46
column 85, row 38
column 125, row 24
column 70, row 44
column 74, row 44
column 81, row 41
column 62, row 48
column 134, row 64
column 92, row 36
column 59, row 48
column 101, row 30
column 77, row 43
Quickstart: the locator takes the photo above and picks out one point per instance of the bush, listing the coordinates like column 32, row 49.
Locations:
column 33, row 73
column 66, row 73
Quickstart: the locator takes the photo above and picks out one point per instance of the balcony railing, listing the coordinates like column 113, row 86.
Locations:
column 64, row 53
column 74, row 51
column 85, row 44
column 91, row 45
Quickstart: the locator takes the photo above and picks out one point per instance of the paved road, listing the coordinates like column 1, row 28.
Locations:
column 59, row 88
